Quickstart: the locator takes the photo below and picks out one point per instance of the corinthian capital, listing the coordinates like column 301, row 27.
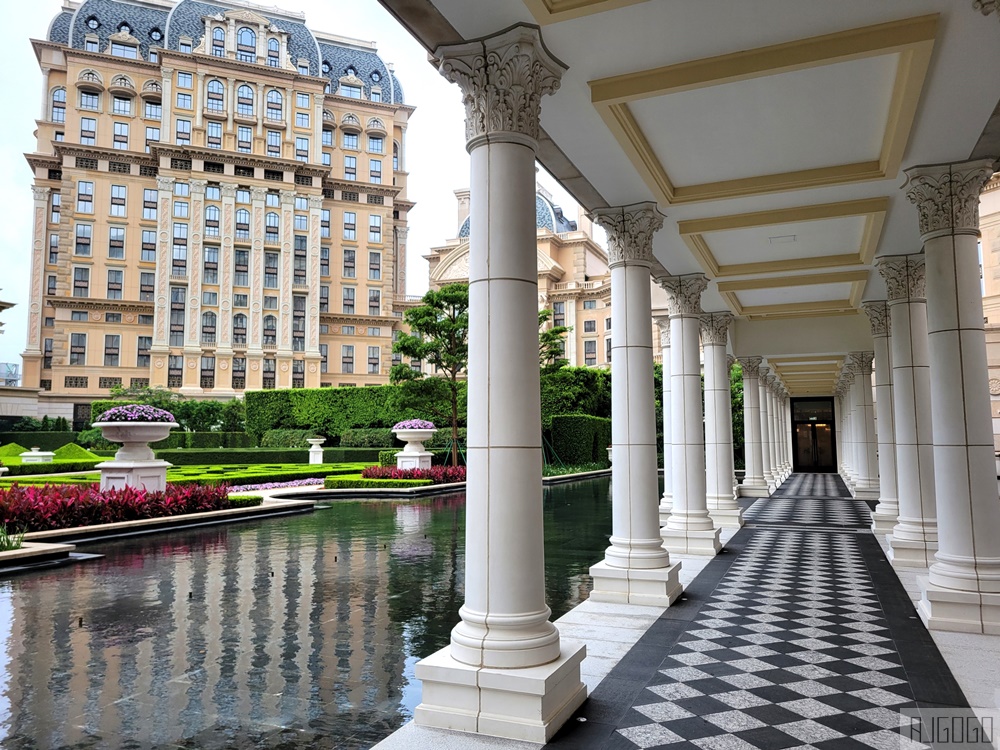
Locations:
column 165, row 183
column 41, row 193
column 947, row 196
column 751, row 366
column 861, row 363
column 663, row 323
column 503, row 79
column 630, row 231
column 878, row 317
column 684, row 293
column 986, row 6
column 904, row 276
column 715, row 328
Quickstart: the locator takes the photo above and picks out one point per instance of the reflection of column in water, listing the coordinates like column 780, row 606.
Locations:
column 290, row 676
column 194, row 611
column 261, row 626
column 224, row 634
column 159, row 708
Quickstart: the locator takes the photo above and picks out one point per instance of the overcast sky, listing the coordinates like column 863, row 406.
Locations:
column 435, row 158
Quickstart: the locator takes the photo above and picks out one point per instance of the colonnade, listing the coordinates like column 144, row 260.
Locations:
column 506, row 671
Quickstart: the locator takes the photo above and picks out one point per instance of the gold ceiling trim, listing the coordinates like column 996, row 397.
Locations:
column 873, row 210
column 810, row 279
column 553, row 11
column 912, row 39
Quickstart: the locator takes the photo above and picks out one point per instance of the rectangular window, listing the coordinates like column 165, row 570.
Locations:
column 590, row 304
column 213, row 193
column 348, row 307
column 145, row 320
column 244, row 139
column 154, row 111
column 590, row 353
column 347, row 358
column 351, row 141
column 301, row 120
column 351, row 92
column 121, row 136
column 374, row 360
column 179, row 256
column 324, row 299
column 350, row 168
column 183, row 101
column 152, row 136
column 213, row 135
column 84, row 235
column 112, row 317
column 374, row 302
column 350, row 225
column 56, row 213
column 324, row 223
column 302, row 100
column 182, row 189
column 239, row 372
column 78, row 316
column 375, row 171
column 78, row 348
column 148, row 250
column 92, row 45
column 112, row 349
column 376, row 144
column 207, row 372
column 299, row 259
column 121, row 105
column 88, row 131
column 177, row 295
column 558, row 313
column 142, row 347
column 149, row 198
column 241, row 300
column 53, row 248
column 47, row 354
column 116, row 242
column 50, row 285
column 84, row 197
column 327, row 137
column 124, row 50
column 374, row 266
column 590, row 326
column 274, row 142
column 119, row 195
column 302, row 149
column 210, row 298
column 183, row 133
column 270, row 303
column 270, row 270
column 376, row 96
column 175, row 371
column 89, row 100
column 607, row 350
column 146, row 288
column 324, row 261
column 300, row 223
column 184, row 80
column 349, row 264
column 241, row 268
column 607, row 324
column 375, row 228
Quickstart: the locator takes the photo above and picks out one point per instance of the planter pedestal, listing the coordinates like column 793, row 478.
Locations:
column 315, row 450
column 134, row 464
column 413, row 455
column 35, row 456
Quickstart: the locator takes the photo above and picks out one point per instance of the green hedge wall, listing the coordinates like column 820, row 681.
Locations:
column 576, row 390
column 15, row 470
column 580, row 438
column 286, row 438
column 47, row 441
column 266, row 455
column 337, row 483
column 372, row 437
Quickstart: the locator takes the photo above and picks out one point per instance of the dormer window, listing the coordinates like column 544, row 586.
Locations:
column 92, row 44
column 93, row 23
column 219, row 42
column 303, row 67
column 184, row 45
column 124, row 50
column 351, row 72
column 124, row 28
column 375, row 76
column 246, row 45
column 156, row 35
column 326, row 67
column 351, row 92
column 274, row 53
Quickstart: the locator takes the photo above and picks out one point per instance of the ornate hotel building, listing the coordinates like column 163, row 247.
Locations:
column 219, row 204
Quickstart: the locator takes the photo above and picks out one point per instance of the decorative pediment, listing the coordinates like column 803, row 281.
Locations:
column 123, row 37
column 248, row 17
column 352, row 80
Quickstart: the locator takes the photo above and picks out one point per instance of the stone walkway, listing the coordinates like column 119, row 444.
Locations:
column 798, row 635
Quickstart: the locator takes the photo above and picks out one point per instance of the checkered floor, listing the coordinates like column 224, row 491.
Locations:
column 809, row 511
column 813, row 485
column 791, row 650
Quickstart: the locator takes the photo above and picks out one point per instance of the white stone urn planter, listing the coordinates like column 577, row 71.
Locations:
column 134, row 464
column 413, row 455
column 315, row 451
column 609, row 454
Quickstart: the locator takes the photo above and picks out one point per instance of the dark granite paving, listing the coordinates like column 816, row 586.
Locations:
column 793, row 637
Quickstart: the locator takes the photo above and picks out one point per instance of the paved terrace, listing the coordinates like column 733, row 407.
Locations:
column 799, row 635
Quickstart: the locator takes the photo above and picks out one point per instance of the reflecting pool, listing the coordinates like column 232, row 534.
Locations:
column 284, row 633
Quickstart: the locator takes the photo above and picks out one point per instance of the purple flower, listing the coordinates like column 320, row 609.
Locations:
column 275, row 485
column 414, row 424
column 135, row 413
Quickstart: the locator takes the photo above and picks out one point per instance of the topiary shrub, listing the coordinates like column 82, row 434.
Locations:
column 11, row 449
column 372, row 437
column 580, row 438
column 286, row 438
column 74, row 452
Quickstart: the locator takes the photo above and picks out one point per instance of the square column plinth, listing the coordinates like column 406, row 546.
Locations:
column 755, row 490
column 655, row 587
column 529, row 704
column 959, row 611
column 116, row 475
column 691, row 542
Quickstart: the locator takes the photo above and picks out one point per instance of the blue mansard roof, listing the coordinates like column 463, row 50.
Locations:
column 547, row 216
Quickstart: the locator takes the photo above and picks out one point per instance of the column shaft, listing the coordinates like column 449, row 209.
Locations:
column 666, row 502
column 766, row 449
column 722, row 506
column 886, row 513
column 866, row 484
column 754, row 484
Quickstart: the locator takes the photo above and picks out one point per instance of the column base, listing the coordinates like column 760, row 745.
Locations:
column 528, row 704
column 754, row 490
column 959, row 611
column 689, row 542
column 883, row 523
column 656, row 587
column 865, row 493
column 727, row 518
column 665, row 509
column 903, row 553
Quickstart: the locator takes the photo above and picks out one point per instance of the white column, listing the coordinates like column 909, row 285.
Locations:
column 636, row 568
column 39, row 247
column 481, row 682
column 764, row 417
column 730, row 361
column 722, row 505
column 689, row 529
column 772, row 427
column 866, row 486
column 838, row 409
column 962, row 590
column 783, row 422
column 850, row 449
column 666, row 502
column 914, row 537
column 754, row 484
column 886, row 513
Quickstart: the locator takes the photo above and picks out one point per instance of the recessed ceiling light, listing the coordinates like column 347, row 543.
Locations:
column 782, row 239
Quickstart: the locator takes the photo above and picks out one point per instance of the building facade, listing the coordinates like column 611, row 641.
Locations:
column 219, row 204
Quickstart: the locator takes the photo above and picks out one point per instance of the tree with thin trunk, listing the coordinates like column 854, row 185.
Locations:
column 551, row 343
column 439, row 336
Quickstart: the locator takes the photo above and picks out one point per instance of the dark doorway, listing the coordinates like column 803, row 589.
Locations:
column 814, row 443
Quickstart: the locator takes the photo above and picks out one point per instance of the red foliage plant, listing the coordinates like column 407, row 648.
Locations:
column 34, row 508
column 437, row 474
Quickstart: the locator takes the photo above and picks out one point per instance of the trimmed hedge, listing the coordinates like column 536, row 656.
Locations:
column 387, row 458
column 580, row 438
column 47, row 441
column 266, row 455
column 73, row 452
column 20, row 470
column 286, row 438
column 245, row 501
column 356, row 482
column 575, row 390
column 438, row 458
column 372, row 437
column 11, row 450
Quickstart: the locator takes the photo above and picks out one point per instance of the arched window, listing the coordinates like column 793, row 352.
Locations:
column 219, row 41
column 395, row 157
column 208, row 328
column 270, row 330
column 58, row 106
column 244, row 101
column 274, row 53
column 216, row 99
column 271, row 227
column 274, row 102
column 239, row 328
column 212, row 221
column 242, row 224
column 246, row 45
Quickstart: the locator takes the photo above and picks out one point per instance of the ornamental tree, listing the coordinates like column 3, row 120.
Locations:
column 439, row 336
column 551, row 343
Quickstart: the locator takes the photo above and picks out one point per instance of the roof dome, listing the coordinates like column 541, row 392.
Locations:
column 547, row 216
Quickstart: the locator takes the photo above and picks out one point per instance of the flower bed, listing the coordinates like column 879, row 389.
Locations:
column 135, row 413
column 33, row 508
column 436, row 474
column 276, row 485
